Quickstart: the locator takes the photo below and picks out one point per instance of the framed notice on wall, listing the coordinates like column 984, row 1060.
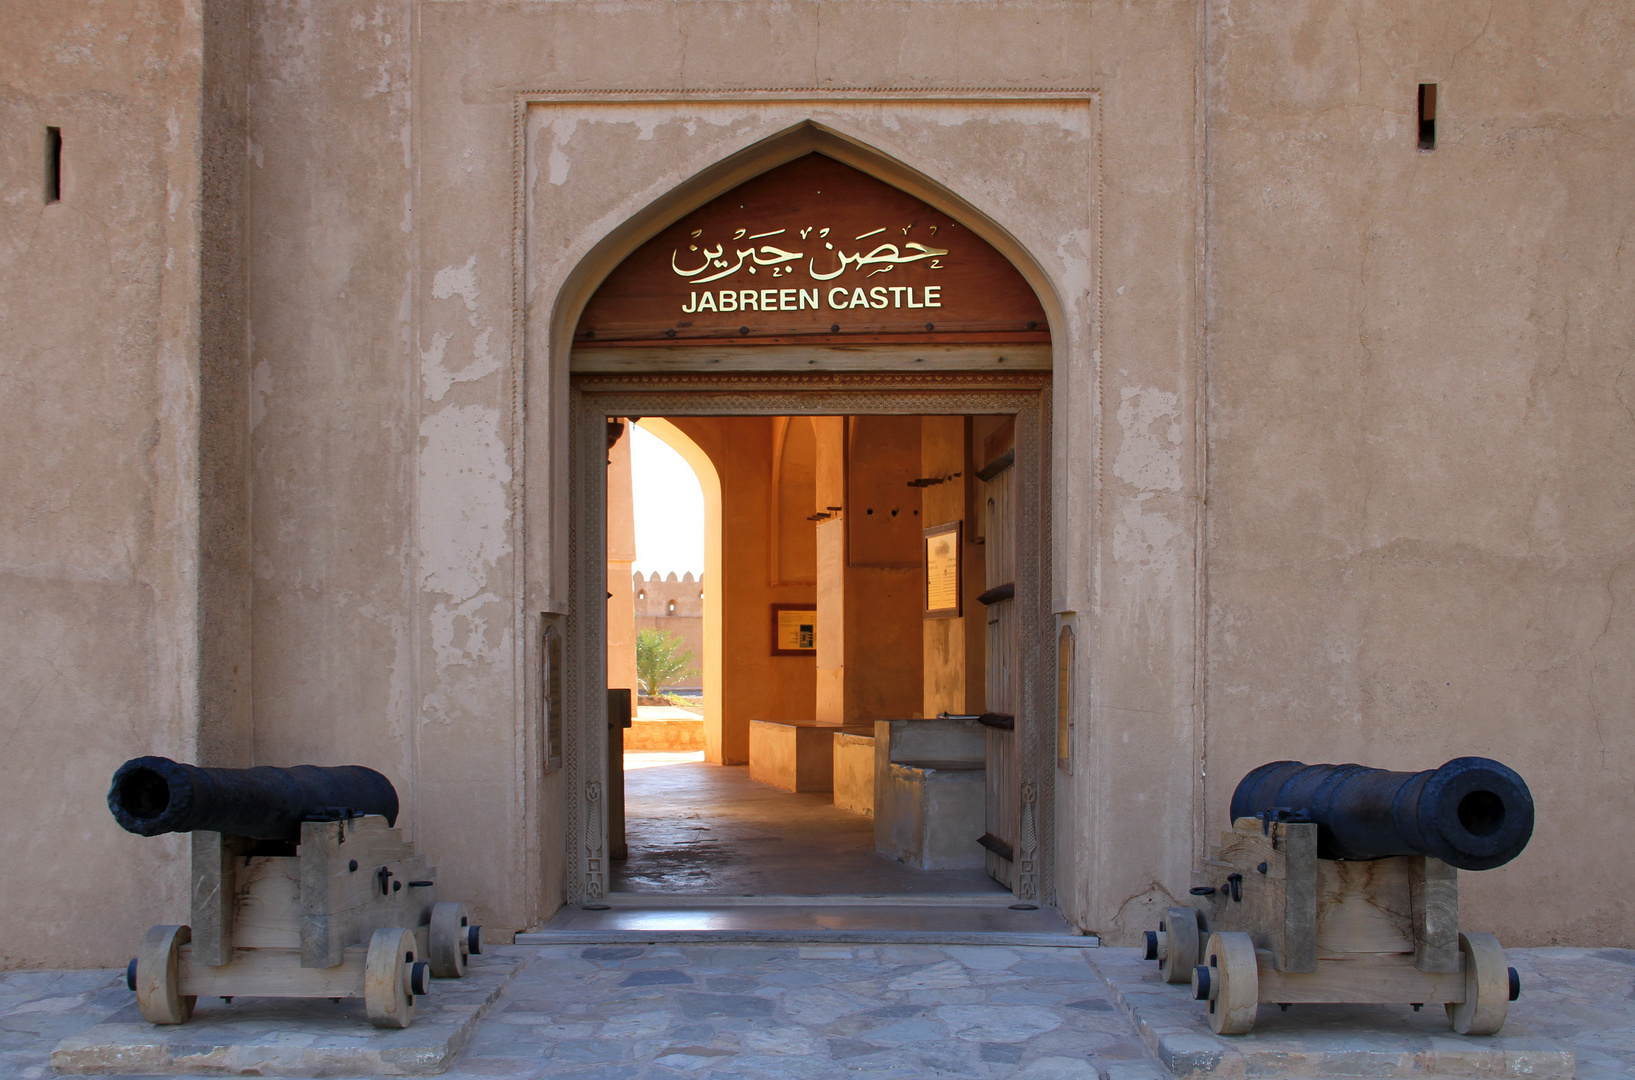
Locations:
column 794, row 630
column 942, row 571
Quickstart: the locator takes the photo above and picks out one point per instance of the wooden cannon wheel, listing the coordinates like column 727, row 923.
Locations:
column 1487, row 987
column 391, row 978
column 1229, row 980
column 157, row 976
column 1178, row 944
column 450, row 940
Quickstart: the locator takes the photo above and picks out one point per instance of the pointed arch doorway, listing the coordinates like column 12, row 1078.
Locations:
column 771, row 300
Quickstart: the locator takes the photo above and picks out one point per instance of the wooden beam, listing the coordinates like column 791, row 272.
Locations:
column 1433, row 888
column 272, row 973
column 1362, row 979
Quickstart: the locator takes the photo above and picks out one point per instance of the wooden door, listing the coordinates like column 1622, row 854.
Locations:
column 1004, row 639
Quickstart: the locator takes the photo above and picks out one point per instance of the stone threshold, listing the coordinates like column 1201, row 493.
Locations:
column 799, row 937
column 801, row 921
column 294, row 1037
column 819, row 900
column 1379, row 1042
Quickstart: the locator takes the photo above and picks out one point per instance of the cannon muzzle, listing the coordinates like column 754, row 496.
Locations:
column 1473, row 812
column 154, row 795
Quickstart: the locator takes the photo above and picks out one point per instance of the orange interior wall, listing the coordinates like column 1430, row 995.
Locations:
column 884, row 601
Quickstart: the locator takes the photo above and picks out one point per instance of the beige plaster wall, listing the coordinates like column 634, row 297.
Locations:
column 335, row 396
column 1417, row 413
column 99, row 463
column 386, row 627
column 1421, row 436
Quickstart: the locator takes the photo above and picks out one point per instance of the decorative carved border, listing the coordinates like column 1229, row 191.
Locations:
column 824, row 381
column 594, row 397
column 987, row 94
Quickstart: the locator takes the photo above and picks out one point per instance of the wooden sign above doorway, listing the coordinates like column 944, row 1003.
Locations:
column 813, row 251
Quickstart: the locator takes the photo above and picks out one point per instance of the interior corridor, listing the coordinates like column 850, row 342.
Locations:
column 705, row 829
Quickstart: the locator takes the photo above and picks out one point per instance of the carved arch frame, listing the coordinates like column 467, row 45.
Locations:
column 543, row 326
column 557, row 470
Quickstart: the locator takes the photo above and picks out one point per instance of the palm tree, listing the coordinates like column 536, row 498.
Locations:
column 661, row 660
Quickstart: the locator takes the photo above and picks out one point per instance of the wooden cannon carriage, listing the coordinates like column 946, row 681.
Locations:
column 336, row 908
column 1277, row 918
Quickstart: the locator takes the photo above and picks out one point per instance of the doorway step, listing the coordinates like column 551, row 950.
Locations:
column 646, row 918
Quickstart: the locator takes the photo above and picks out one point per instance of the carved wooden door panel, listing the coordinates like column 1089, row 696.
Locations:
column 1004, row 798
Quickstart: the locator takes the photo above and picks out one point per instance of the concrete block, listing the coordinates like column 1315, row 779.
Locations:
column 854, row 772
column 901, row 805
column 930, row 814
column 931, row 740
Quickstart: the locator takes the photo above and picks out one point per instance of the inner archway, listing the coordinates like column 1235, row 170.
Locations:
column 710, row 482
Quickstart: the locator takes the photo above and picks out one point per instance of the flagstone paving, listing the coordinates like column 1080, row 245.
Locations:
column 627, row 1012
column 789, row 1012
column 728, row 1011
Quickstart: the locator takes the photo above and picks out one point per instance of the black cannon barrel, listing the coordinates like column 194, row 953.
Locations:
column 1473, row 812
column 153, row 795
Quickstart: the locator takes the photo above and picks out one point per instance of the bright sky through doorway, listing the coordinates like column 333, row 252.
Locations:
column 669, row 508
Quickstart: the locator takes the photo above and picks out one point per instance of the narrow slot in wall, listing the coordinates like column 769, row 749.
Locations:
column 53, row 164
column 1427, row 116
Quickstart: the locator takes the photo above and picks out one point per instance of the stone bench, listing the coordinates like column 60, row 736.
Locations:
column 795, row 755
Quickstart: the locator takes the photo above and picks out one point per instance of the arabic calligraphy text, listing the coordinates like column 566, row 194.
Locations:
column 838, row 298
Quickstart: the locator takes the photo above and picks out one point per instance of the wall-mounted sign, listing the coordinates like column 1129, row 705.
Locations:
column 942, row 579
column 813, row 249
column 794, row 630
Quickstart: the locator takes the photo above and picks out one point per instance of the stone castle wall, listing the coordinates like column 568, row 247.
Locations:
column 654, row 595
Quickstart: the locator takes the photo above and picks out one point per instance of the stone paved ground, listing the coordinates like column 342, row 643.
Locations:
column 618, row 1012
column 1586, row 999
column 40, row 1008
column 788, row 1011
column 727, row 1011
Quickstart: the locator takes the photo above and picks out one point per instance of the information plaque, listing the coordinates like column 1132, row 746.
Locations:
column 942, row 571
column 794, row 629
